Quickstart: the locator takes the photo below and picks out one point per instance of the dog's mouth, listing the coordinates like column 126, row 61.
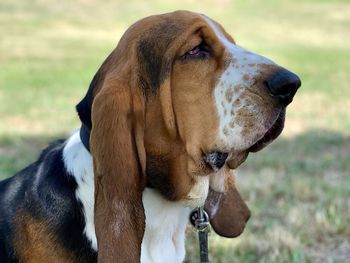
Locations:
column 217, row 159
column 272, row 133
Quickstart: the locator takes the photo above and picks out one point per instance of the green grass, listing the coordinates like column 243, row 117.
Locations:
column 298, row 188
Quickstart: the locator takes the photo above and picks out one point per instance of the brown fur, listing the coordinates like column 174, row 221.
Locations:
column 119, row 160
column 184, row 99
column 35, row 242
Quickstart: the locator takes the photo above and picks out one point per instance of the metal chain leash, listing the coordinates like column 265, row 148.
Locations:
column 200, row 221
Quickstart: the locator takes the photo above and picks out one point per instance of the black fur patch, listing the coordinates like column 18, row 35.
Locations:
column 154, row 65
column 85, row 105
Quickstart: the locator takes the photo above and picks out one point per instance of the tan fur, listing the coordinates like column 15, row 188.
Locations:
column 191, row 86
column 119, row 160
column 34, row 242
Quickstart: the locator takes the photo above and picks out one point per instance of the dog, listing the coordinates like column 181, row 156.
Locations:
column 172, row 111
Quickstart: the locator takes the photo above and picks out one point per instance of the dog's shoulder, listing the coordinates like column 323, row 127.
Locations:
column 43, row 195
column 38, row 187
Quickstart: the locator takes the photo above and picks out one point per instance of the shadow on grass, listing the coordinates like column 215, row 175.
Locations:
column 312, row 152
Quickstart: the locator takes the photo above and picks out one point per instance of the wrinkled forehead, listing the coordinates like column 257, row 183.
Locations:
column 161, row 38
column 169, row 24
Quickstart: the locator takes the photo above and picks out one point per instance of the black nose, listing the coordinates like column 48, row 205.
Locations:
column 283, row 85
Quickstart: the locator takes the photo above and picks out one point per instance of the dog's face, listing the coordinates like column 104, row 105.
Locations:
column 176, row 106
column 215, row 103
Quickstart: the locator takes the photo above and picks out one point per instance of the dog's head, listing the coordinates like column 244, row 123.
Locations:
column 177, row 105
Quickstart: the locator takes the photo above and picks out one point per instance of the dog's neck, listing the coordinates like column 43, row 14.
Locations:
column 166, row 221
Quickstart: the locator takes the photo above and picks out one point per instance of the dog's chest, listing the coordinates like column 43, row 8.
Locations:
column 164, row 237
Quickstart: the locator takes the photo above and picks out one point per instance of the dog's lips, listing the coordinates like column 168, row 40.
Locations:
column 275, row 129
column 236, row 158
column 271, row 134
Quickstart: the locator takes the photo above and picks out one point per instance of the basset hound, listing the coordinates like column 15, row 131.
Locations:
column 172, row 111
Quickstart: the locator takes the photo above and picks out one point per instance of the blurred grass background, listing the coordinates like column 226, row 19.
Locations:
column 298, row 188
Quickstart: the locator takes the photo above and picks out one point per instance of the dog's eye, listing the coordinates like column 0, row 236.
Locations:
column 200, row 51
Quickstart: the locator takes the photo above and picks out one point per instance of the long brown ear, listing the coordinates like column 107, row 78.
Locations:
column 118, row 152
column 227, row 211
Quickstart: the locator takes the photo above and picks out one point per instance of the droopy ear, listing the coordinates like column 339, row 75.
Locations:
column 227, row 211
column 116, row 144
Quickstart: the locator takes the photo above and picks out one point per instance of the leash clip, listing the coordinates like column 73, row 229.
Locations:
column 199, row 219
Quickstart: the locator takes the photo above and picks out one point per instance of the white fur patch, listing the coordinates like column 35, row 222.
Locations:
column 164, row 238
column 199, row 192
column 217, row 181
column 78, row 162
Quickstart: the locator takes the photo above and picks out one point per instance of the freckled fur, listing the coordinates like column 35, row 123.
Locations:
column 242, row 73
column 229, row 94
